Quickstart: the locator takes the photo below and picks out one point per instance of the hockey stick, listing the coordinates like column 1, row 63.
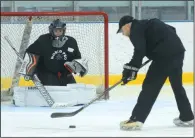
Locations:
column 70, row 114
column 38, row 83
column 24, row 43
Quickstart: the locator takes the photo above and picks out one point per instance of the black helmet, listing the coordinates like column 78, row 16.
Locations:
column 57, row 24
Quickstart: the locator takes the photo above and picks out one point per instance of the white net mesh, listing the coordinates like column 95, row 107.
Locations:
column 87, row 30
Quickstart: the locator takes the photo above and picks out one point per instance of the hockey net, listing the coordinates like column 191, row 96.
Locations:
column 90, row 29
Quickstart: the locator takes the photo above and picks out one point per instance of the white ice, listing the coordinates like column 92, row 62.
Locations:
column 99, row 119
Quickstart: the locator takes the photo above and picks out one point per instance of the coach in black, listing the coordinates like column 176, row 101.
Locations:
column 160, row 43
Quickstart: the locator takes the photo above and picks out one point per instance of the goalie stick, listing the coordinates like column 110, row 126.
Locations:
column 24, row 43
column 70, row 114
column 38, row 83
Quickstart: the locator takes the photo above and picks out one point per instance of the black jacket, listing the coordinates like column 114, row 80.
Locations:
column 153, row 39
column 52, row 59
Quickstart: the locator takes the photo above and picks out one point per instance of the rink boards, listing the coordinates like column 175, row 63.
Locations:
column 187, row 79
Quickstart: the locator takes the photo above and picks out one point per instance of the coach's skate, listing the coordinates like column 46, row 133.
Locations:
column 181, row 123
column 130, row 125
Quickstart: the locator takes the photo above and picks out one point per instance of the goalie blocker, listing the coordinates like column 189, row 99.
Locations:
column 29, row 65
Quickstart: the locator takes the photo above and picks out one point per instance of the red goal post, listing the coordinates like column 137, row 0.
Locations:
column 94, row 23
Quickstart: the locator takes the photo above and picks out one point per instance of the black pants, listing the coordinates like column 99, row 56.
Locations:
column 156, row 76
column 54, row 79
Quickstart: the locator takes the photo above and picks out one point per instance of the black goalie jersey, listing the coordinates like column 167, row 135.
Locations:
column 52, row 59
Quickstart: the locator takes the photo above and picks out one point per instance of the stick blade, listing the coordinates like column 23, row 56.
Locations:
column 62, row 114
column 57, row 115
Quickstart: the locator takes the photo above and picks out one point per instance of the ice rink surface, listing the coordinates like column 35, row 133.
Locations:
column 99, row 119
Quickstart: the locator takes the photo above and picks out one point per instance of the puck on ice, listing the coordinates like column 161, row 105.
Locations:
column 72, row 126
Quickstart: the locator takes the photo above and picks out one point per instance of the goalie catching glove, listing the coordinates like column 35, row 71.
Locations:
column 79, row 66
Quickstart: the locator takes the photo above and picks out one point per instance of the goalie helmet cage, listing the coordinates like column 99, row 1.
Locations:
column 90, row 29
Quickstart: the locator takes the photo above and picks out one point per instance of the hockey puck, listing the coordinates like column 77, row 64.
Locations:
column 72, row 126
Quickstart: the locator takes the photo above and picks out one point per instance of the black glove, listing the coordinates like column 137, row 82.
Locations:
column 129, row 73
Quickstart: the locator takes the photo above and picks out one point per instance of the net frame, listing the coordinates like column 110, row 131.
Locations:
column 83, row 13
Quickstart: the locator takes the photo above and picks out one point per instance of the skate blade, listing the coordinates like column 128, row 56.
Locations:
column 184, row 124
column 135, row 128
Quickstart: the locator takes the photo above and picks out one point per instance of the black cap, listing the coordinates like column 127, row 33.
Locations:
column 124, row 20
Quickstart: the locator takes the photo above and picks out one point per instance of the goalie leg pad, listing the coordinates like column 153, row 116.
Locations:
column 29, row 65
column 64, row 96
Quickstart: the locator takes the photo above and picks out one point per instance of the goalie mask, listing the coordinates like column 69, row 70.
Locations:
column 79, row 66
column 57, row 30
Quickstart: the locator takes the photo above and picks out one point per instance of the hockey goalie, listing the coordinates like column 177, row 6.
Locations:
column 54, row 57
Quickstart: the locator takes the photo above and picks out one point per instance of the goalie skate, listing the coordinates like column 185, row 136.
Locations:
column 181, row 123
column 130, row 125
